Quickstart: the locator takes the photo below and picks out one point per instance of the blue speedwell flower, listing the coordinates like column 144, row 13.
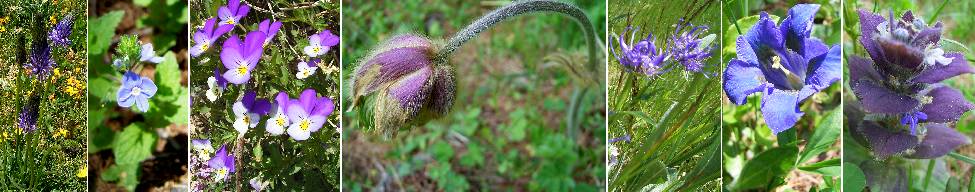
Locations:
column 784, row 63
column 643, row 57
column 135, row 90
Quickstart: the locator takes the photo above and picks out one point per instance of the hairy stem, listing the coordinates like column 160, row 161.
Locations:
column 520, row 8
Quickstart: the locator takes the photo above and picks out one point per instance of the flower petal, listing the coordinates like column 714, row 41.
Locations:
column 780, row 109
column 825, row 69
column 868, row 27
column 764, row 35
column 797, row 25
column 947, row 104
column 742, row 79
column 862, row 68
column 938, row 73
column 938, row 141
column 877, row 99
column 885, row 143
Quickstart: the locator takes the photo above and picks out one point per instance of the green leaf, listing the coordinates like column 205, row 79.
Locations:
column 442, row 151
column 827, row 168
column 765, row 168
column 134, row 144
column 101, row 31
column 103, row 89
column 474, row 156
column 142, row 2
column 516, row 131
column 168, row 77
column 100, row 137
column 824, row 136
column 182, row 113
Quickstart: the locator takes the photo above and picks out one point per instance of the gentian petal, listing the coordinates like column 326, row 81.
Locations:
column 868, row 28
column 742, row 79
column 938, row 73
column 780, row 109
column 764, row 35
column 938, row 141
column 884, row 143
column 797, row 25
column 825, row 69
column 878, row 99
column 862, row 68
column 947, row 105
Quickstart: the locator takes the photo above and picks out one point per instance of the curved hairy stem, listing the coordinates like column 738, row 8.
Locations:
column 519, row 8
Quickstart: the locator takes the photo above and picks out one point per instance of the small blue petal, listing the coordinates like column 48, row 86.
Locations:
column 742, row 79
column 780, row 109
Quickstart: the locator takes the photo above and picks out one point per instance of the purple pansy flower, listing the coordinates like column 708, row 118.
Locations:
column 41, row 64
column 279, row 119
column 232, row 12
column 207, row 36
column 241, row 57
column 688, row 49
column 147, row 54
column 222, row 164
column 270, row 29
column 257, row 184
column 61, row 32
column 319, row 44
column 215, row 85
column 308, row 114
column 248, row 111
column 306, row 69
column 900, row 85
column 784, row 63
column 135, row 90
column 29, row 113
column 643, row 57
column 203, row 148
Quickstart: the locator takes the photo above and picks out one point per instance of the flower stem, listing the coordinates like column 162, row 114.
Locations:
column 516, row 9
column 961, row 157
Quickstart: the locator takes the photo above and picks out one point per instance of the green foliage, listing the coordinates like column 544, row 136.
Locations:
column 756, row 159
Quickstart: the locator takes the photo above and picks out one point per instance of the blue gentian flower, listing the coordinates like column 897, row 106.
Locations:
column 135, row 90
column 61, row 32
column 643, row 57
column 784, row 63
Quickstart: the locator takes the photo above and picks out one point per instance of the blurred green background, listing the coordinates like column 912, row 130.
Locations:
column 515, row 98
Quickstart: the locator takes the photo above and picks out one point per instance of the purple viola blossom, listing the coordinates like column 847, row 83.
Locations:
column 900, row 83
column 241, row 57
column 270, row 29
column 308, row 114
column 231, row 13
column 279, row 119
column 257, row 184
column 215, row 85
column 135, row 90
column 41, row 64
column 207, row 36
column 29, row 114
column 222, row 164
column 203, row 147
column 321, row 43
column 784, row 63
column 147, row 54
column 643, row 57
column 61, row 32
column 688, row 48
column 248, row 111
column 306, row 69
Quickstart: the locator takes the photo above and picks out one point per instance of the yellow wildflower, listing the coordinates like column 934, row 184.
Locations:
column 53, row 20
column 57, row 72
column 83, row 172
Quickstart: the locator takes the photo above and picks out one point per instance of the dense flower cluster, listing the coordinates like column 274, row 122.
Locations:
column 899, row 86
column 784, row 63
column 685, row 46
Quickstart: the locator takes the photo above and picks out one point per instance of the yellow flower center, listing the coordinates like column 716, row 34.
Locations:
column 241, row 70
column 280, row 121
column 304, row 125
column 231, row 22
column 316, row 49
column 205, row 47
column 247, row 119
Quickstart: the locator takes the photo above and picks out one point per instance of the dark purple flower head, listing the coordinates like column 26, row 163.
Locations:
column 408, row 82
column 241, row 57
column 643, row 57
column 41, row 64
column 29, row 113
column 270, row 29
column 784, row 63
column 207, row 36
column 232, row 12
column 61, row 32
column 688, row 48
column 900, row 85
column 255, row 105
column 222, row 164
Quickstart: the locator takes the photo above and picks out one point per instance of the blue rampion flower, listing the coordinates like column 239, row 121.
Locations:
column 784, row 63
column 41, row 64
column 136, row 90
column 61, row 32
column 28, row 115
column 688, row 49
column 643, row 57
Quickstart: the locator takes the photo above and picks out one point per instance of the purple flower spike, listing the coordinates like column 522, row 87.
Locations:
column 222, row 164
column 269, row 28
column 901, row 81
column 240, row 58
column 41, row 64
column 784, row 63
column 61, row 32
column 29, row 113
column 135, row 90
column 207, row 36
column 321, row 43
column 232, row 12
column 406, row 81
column 643, row 57
column 308, row 114
column 688, row 49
